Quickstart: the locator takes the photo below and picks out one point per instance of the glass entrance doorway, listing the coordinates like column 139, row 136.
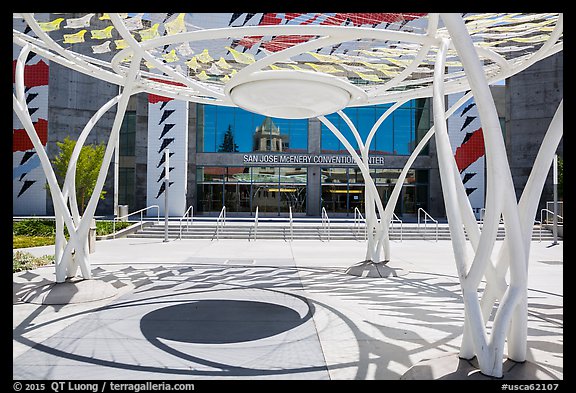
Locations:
column 273, row 190
column 343, row 190
column 276, row 190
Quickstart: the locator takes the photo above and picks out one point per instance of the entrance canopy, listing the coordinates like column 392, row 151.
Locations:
column 287, row 65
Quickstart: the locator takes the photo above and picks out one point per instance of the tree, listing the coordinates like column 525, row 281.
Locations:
column 228, row 144
column 87, row 168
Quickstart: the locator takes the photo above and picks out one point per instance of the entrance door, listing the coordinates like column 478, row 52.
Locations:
column 356, row 198
column 409, row 200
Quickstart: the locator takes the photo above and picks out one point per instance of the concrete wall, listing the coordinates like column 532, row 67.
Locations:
column 73, row 99
column 532, row 98
column 313, row 181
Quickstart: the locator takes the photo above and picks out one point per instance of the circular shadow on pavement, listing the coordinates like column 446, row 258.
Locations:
column 219, row 321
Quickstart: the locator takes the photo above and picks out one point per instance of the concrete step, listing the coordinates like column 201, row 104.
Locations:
column 303, row 231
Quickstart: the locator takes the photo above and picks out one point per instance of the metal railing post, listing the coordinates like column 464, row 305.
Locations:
column 395, row 218
column 220, row 221
column 325, row 222
column 291, row 226
column 191, row 210
column 141, row 211
column 426, row 215
column 357, row 218
column 255, row 222
column 555, row 221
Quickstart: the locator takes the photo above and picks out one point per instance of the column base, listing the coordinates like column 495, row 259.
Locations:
column 375, row 270
column 73, row 290
column 452, row 367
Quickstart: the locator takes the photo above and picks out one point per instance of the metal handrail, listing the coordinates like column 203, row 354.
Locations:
column 189, row 218
column 221, row 221
column 540, row 224
column 325, row 222
column 560, row 206
column 483, row 214
column 396, row 219
column 291, row 225
column 549, row 211
column 255, row 222
column 358, row 217
column 426, row 215
column 141, row 211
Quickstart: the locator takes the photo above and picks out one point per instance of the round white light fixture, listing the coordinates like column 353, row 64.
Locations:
column 291, row 94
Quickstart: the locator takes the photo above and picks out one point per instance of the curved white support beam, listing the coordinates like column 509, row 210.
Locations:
column 209, row 95
column 140, row 53
column 352, row 33
column 21, row 109
column 393, row 199
column 528, row 207
column 550, row 48
column 510, row 320
column 380, row 239
column 85, row 66
column 369, row 196
column 501, row 201
column 244, row 73
column 129, row 89
column 75, row 252
column 69, row 188
column 369, row 183
column 424, row 50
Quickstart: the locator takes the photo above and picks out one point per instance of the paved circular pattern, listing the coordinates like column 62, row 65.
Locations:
column 71, row 291
column 220, row 321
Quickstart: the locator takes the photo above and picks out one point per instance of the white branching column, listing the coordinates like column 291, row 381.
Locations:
column 373, row 202
column 72, row 254
column 378, row 231
column 377, row 234
column 508, row 300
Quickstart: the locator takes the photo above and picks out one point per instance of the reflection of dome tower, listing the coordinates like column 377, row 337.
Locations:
column 267, row 137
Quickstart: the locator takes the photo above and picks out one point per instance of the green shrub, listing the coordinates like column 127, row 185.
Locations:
column 108, row 227
column 47, row 228
column 34, row 227
column 34, row 232
column 22, row 260
column 41, row 232
column 22, row 241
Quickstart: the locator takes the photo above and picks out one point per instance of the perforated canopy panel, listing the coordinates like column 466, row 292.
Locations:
column 372, row 58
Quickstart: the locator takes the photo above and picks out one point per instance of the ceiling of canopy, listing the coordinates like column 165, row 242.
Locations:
column 203, row 57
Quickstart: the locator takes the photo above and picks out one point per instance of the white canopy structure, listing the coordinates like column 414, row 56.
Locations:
column 309, row 65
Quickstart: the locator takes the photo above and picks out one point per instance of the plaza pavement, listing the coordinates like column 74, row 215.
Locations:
column 270, row 309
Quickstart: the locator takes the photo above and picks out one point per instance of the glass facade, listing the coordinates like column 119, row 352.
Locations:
column 127, row 143
column 242, row 189
column 126, row 186
column 226, row 129
column 397, row 135
column 126, row 152
column 343, row 189
column 275, row 189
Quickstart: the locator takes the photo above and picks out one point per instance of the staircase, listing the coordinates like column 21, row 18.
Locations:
column 301, row 229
